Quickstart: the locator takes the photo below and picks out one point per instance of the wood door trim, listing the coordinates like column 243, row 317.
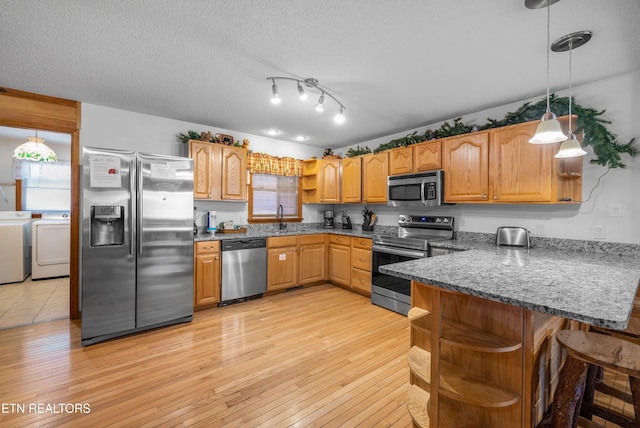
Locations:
column 19, row 109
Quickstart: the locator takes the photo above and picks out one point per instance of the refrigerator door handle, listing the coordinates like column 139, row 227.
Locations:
column 132, row 208
column 139, row 196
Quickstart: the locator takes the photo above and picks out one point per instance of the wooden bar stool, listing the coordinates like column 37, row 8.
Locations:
column 585, row 350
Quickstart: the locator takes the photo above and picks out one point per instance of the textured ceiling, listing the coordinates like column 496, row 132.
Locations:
column 395, row 65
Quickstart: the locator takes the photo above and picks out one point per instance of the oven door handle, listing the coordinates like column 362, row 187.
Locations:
column 422, row 197
column 399, row 252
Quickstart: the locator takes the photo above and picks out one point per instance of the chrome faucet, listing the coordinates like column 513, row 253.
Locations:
column 280, row 216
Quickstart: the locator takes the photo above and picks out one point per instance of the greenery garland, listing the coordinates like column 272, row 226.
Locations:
column 605, row 145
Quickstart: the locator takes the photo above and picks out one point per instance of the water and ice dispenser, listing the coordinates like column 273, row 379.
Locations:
column 107, row 225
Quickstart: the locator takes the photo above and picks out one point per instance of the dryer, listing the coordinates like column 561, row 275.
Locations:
column 15, row 246
column 51, row 246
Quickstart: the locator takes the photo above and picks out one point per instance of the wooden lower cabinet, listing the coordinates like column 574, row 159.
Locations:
column 295, row 260
column 340, row 260
column 206, row 278
column 475, row 362
column 361, row 265
column 312, row 255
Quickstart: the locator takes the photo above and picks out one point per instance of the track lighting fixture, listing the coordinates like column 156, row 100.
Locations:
column 275, row 98
column 548, row 130
column 571, row 147
column 309, row 83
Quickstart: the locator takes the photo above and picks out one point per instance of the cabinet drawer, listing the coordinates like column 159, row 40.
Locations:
column 361, row 280
column 312, row 239
column 282, row 241
column 207, row 247
column 361, row 259
column 340, row 239
column 364, row 243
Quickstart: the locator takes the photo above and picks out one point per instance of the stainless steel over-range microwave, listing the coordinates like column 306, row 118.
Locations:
column 424, row 189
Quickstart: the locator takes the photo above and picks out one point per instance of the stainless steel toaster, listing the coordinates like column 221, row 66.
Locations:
column 513, row 236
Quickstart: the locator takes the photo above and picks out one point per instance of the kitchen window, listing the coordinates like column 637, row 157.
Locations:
column 268, row 191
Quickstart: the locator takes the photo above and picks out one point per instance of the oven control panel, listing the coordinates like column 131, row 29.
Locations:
column 428, row 222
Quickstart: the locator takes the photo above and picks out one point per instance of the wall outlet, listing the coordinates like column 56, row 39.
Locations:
column 599, row 232
column 615, row 209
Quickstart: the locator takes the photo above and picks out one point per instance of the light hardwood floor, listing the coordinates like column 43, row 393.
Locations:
column 319, row 356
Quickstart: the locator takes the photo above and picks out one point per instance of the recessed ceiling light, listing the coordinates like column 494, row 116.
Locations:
column 272, row 132
column 301, row 137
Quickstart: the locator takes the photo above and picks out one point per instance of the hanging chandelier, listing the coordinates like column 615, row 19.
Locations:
column 339, row 118
column 35, row 150
column 570, row 148
column 549, row 130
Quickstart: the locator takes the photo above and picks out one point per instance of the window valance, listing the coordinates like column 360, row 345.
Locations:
column 262, row 163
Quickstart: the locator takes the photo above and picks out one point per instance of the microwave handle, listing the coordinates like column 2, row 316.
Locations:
column 422, row 189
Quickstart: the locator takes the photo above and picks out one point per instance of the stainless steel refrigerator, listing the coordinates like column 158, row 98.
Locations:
column 137, row 242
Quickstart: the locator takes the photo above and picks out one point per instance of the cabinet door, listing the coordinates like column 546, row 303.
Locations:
column 282, row 268
column 465, row 161
column 520, row 171
column 340, row 264
column 401, row 161
column 329, row 177
column 234, row 174
column 375, row 170
column 427, row 156
column 351, row 180
column 201, row 153
column 312, row 263
column 361, row 281
column 207, row 279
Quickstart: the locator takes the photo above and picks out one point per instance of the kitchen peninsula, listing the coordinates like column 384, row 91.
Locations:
column 483, row 324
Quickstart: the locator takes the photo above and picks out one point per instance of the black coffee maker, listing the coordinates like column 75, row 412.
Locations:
column 328, row 219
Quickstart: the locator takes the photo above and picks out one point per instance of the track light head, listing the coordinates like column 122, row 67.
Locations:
column 303, row 94
column 320, row 105
column 275, row 98
column 339, row 118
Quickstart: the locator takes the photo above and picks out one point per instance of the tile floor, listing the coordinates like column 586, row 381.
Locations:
column 31, row 302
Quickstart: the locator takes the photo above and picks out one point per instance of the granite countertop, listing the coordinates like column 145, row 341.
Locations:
column 597, row 289
column 203, row 236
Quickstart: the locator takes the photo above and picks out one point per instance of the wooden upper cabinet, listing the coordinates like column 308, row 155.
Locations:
column 375, row 170
column 234, row 174
column 427, row 156
column 520, row 171
column 200, row 152
column 352, row 180
column 401, row 161
column 329, row 181
column 219, row 171
column 465, row 160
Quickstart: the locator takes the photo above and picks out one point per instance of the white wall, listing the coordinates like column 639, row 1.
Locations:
column 119, row 129
column 620, row 97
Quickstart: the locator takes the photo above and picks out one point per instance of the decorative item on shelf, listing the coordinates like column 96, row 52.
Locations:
column 571, row 147
column 206, row 136
column 245, row 144
column 328, row 154
column 358, row 151
column 225, row 139
column 35, row 150
column 369, row 219
column 549, row 130
column 229, row 227
column 310, row 82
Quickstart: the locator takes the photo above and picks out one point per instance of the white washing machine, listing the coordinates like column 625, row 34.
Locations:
column 15, row 246
column 50, row 250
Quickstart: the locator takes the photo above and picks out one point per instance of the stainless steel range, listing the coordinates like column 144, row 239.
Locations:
column 415, row 232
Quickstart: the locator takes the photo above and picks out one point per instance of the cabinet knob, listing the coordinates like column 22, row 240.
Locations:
column 484, row 196
column 496, row 197
column 217, row 257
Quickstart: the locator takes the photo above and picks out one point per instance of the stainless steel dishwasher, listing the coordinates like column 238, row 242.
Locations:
column 244, row 268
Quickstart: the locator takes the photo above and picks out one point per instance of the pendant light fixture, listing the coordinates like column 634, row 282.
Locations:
column 571, row 147
column 339, row 118
column 549, row 130
column 35, row 150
